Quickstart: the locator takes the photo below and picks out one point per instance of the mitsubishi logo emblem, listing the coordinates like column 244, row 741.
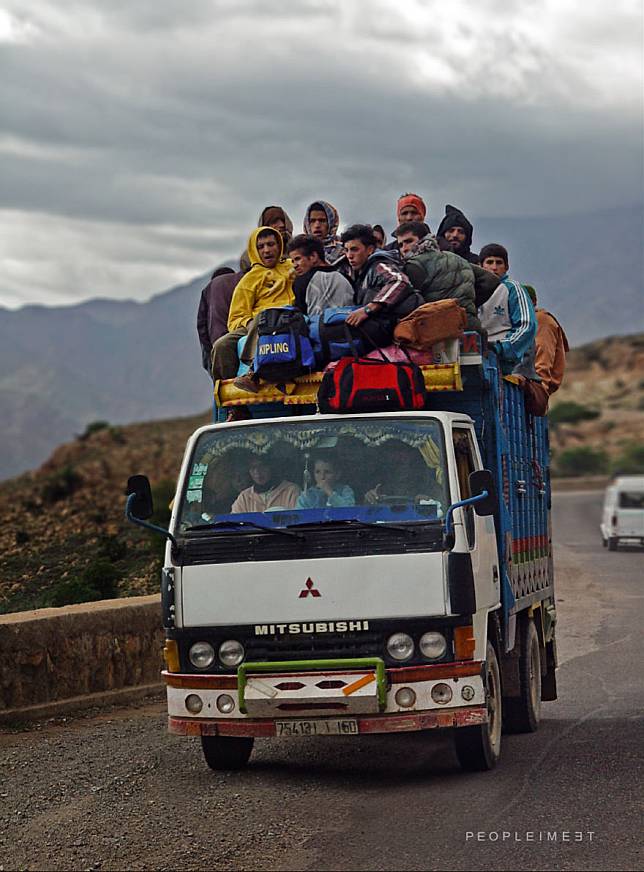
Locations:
column 309, row 589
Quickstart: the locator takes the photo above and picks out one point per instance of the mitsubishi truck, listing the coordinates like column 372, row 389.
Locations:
column 347, row 574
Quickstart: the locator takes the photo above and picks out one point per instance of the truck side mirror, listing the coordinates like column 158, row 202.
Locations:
column 140, row 506
column 482, row 480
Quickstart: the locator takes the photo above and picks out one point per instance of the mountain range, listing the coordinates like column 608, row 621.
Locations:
column 124, row 361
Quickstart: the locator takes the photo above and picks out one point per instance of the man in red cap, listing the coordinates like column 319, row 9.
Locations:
column 410, row 207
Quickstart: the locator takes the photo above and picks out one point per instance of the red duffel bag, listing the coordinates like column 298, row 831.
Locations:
column 368, row 385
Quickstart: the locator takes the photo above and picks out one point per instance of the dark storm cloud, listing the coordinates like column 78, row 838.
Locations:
column 140, row 115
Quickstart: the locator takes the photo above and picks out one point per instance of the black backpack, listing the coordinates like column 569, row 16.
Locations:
column 284, row 348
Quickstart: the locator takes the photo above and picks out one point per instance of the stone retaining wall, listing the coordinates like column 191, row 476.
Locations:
column 55, row 659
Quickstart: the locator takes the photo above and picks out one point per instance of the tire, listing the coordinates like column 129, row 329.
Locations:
column 612, row 543
column 227, row 752
column 604, row 542
column 522, row 714
column 478, row 748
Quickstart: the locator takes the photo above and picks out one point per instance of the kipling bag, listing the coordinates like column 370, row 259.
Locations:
column 368, row 385
column 284, row 347
column 330, row 336
column 430, row 323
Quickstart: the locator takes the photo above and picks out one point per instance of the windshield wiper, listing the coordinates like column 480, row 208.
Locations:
column 354, row 522
column 251, row 524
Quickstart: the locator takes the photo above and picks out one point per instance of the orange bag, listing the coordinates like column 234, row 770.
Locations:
column 430, row 323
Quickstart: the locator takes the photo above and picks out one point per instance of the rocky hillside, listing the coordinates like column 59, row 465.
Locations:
column 597, row 417
column 63, row 537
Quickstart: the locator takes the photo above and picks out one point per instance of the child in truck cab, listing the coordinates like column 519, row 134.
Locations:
column 327, row 491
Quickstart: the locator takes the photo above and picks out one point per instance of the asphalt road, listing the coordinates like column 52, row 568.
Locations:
column 112, row 790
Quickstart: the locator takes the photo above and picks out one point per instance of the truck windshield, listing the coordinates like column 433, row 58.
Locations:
column 279, row 475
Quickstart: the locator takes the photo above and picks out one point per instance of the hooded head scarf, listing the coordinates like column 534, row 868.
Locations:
column 274, row 213
column 332, row 246
column 266, row 218
column 262, row 287
column 411, row 200
column 455, row 218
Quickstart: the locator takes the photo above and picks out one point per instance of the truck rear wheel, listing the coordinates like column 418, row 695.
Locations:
column 522, row 714
column 479, row 748
column 227, row 752
column 612, row 543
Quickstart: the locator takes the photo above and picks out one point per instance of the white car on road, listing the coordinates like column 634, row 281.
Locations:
column 623, row 514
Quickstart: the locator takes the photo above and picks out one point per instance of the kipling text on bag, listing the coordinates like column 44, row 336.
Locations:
column 284, row 348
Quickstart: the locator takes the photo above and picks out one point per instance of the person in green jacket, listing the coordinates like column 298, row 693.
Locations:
column 439, row 275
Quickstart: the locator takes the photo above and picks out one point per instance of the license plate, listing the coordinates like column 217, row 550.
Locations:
column 343, row 727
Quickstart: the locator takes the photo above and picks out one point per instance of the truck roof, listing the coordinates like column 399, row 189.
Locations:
column 445, row 417
column 628, row 482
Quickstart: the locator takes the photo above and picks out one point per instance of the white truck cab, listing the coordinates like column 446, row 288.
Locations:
column 362, row 573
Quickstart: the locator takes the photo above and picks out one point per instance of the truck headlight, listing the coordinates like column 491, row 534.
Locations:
column 432, row 645
column 231, row 652
column 400, row 646
column 201, row 654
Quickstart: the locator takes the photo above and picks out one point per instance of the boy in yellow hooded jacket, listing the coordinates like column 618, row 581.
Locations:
column 268, row 284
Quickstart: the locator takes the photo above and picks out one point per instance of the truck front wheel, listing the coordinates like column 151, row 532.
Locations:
column 521, row 714
column 612, row 543
column 479, row 748
column 227, row 752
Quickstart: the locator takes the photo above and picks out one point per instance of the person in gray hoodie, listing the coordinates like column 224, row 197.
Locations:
column 317, row 286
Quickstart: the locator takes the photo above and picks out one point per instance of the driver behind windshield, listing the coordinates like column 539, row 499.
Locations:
column 403, row 473
column 327, row 491
column 268, row 491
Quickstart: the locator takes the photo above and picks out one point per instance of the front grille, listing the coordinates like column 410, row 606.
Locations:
column 318, row 647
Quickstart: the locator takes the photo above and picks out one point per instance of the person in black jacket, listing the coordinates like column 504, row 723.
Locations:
column 455, row 234
column 380, row 286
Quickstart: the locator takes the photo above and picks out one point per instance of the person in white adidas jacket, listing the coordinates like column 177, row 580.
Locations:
column 508, row 314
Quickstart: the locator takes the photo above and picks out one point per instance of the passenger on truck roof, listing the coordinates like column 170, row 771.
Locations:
column 268, row 491
column 410, row 207
column 438, row 275
column 214, row 305
column 321, row 220
column 455, row 234
column 328, row 491
column 381, row 289
column 380, row 235
column 507, row 314
column 550, row 348
column 275, row 217
column 318, row 285
column 267, row 284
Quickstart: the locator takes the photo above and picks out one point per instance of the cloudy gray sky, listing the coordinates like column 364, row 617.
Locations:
column 140, row 138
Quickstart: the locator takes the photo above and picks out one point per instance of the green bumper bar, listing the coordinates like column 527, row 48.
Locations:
column 305, row 665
